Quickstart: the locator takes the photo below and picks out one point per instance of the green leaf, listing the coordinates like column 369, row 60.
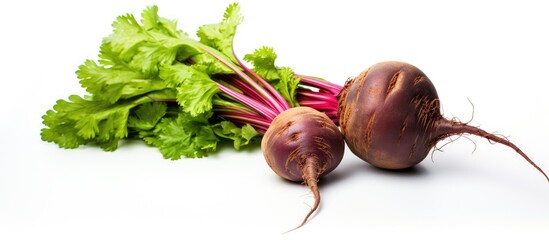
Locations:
column 175, row 74
column 220, row 36
column 195, row 95
column 240, row 136
column 206, row 63
column 112, row 84
column 145, row 119
column 287, row 85
column 146, row 116
column 60, row 130
column 80, row 121
column 127, row 34
column 153, row 22
column 186, row 135
column 195, row 89
column 151, row 55
column 282, row 79
column 109, row 58
column 263, row 60
column 144, row 48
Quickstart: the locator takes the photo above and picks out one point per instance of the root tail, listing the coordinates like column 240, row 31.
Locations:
column 310, row 177
column 447, row 128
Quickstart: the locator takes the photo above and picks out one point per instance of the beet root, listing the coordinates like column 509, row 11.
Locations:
column 302, row 145
column 390, row 117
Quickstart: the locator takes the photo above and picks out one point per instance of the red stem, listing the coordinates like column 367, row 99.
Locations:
column 317, row 104
column 248, row 101
column 321, row 84
column 246, row 78
column 321, row 96
column 246, row 89
column 282, row 103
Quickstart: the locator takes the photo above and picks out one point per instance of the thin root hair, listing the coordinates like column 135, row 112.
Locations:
column 498, row 135
column 310, row 214
column 456, row 119
column 451, row 140
column 307, row 194
column 472, row 111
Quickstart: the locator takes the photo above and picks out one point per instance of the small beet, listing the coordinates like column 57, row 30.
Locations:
column 302, row 145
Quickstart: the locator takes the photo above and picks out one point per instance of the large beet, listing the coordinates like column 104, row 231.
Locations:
column 390, row 117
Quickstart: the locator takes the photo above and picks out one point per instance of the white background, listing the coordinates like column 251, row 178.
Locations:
column 494, row 54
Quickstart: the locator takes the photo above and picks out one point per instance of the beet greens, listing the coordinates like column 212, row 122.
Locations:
column 181, row 95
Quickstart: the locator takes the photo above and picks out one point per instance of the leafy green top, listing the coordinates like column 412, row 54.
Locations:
column 154, row 82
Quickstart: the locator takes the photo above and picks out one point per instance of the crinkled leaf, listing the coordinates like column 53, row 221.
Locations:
column 175, row 74
column 153, row 22
column 240, row 136
column 220, row 36
column 127, row 33
column 146, row 116
column 61, row 130
column 109, row 58
column 282, row 79
column 263, row 60
column 147, row 46
column 195, row 89
column 286, row 85
column 186, row 136
column 195, row 94
column 206, row 63
column 79, row 121
column 151, row 55
column 112, row 84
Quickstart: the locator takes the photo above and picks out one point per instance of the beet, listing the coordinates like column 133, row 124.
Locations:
column 302, row 145
column 390, row 117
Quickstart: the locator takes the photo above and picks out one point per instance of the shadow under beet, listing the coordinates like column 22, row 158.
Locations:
column 349, row 170
column 414, row 171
